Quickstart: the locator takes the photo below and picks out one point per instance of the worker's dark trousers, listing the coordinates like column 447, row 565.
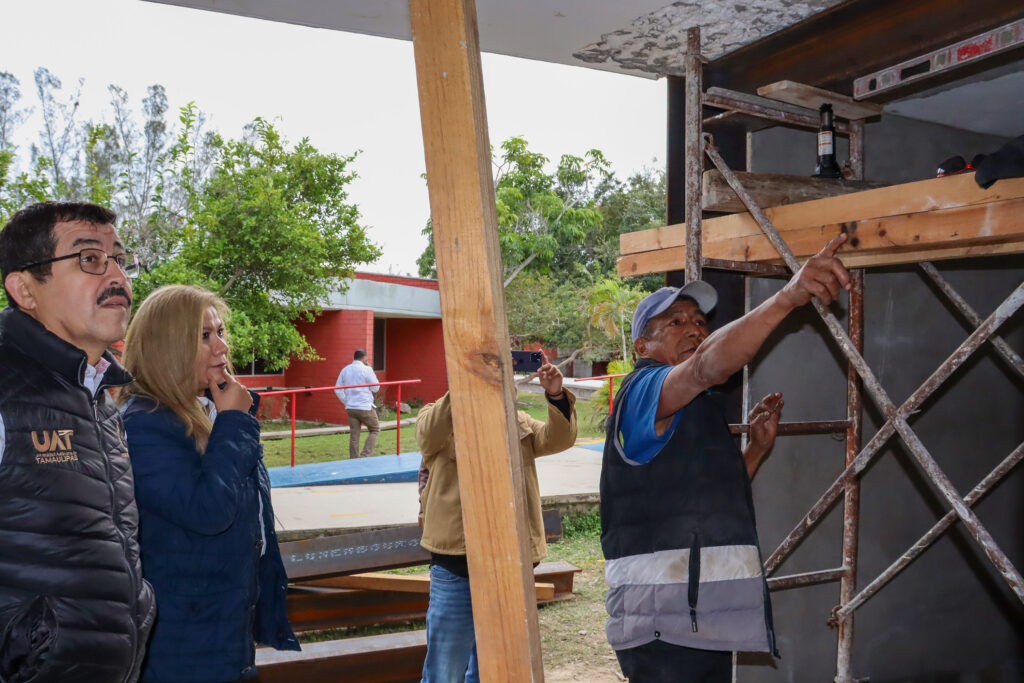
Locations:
column 661, row 662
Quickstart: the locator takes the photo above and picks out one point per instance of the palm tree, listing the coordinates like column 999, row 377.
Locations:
column 611, row 308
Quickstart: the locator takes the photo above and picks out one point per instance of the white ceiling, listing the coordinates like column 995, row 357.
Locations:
column 639, row 37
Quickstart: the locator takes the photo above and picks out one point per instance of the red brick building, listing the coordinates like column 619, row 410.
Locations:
column 397, row 320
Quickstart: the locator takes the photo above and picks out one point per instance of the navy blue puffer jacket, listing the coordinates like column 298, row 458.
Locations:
column 201, row 541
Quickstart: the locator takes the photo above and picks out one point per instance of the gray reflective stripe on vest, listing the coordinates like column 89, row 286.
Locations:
column 717, row 563
column 730, row 615
column 647, row 599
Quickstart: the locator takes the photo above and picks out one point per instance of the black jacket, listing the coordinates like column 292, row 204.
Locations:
column 73, row 604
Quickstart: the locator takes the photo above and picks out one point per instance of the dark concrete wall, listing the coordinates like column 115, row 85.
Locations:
column 949, row 616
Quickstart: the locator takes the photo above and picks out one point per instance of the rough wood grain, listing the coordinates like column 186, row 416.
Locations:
column 923, row 195
column 973, row 230
column 773, row 189
column 462, row 206
column 812, row 98
column 410, row 583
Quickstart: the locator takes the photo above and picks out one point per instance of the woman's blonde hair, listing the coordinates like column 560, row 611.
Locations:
column 161, row 350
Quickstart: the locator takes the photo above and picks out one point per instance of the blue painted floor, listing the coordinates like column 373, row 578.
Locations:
column 599, row 446
column 378, row 469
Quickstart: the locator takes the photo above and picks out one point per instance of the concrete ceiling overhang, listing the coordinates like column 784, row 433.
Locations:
column 638, row 37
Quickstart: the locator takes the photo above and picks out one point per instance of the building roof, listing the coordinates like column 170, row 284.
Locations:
column 389, row 298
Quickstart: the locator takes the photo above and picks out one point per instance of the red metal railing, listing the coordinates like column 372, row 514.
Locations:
column 398, row 404
column 611, row 385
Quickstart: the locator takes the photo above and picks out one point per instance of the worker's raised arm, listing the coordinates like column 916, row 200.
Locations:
column 728, row 349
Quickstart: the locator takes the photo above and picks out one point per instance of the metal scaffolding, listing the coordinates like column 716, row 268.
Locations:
column 860, row 377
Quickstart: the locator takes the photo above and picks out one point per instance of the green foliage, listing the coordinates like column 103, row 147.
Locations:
column 598, row 408
column 541, row 310
column 540, row 214
column 585, row 525
column 265, row 224
column 612, row 303
column 271, row 232
column 636, row 204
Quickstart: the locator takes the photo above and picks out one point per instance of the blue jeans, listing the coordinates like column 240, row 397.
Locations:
column 451, row 642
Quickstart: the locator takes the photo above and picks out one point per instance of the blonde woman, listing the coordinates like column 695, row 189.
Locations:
column 206, row 525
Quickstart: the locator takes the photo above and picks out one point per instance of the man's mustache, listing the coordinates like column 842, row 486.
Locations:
column 114, row 291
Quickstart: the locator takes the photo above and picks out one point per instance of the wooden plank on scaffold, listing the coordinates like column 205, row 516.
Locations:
column 462, row 207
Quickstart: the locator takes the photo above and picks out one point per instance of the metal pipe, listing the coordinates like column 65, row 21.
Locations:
column 1008, row 354
column 745, row 266
column 857, row 149
column 806, row 579
column 785, row 428
column 719, row 117
column 851, row 502
column 874, row 388
column 922, row 544
column 694, row 156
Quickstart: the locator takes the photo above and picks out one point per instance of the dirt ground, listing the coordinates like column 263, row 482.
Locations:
column 592, row 673
column 572, row 632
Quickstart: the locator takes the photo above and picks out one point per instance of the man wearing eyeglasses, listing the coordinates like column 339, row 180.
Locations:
column 73, row 604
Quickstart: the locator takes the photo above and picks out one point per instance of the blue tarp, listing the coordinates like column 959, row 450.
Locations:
column 378, row 469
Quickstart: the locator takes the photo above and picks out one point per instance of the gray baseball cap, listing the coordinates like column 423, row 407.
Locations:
column 655, row 304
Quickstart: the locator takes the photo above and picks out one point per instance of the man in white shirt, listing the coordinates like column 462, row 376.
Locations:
column 359, row 403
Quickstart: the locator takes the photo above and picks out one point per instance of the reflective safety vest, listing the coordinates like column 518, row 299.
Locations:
column 678, row 533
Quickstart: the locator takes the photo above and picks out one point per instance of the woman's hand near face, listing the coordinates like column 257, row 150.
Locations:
column 233, row 396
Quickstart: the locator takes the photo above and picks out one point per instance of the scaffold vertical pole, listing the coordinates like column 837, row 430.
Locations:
column 851, row 501
column 694, row 152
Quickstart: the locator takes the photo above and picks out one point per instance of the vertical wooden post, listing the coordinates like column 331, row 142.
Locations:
column 462, row 207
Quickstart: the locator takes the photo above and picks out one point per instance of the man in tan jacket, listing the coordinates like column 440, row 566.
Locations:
column 451, row 643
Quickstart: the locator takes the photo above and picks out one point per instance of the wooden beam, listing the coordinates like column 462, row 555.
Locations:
column 924, row 195
column 386, row 658
column 319, row 604
column 836, row 45
column 774, row 189
column 462, row 207
column 812, row 98
column 993, row 228
column 410, row 583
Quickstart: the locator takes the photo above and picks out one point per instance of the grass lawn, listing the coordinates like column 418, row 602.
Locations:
column 286, row 425
column 310, row 449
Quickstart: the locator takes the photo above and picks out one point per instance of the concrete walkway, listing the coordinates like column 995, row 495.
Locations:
column 566, row 479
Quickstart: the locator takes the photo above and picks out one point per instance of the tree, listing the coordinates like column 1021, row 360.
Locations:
column 60, row 138
column 639, row 203
column 265, row 224
column 11, row 116
column 612, row 304
column 272, row 232
column 539, row 213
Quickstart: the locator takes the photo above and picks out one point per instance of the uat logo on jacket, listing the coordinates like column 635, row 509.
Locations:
column 53, row 446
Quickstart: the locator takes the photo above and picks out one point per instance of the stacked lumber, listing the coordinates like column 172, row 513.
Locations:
column 334, row 584
column 928, row 220
column 377, row 598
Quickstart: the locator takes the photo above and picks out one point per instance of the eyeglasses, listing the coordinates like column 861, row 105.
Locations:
column 94, row 262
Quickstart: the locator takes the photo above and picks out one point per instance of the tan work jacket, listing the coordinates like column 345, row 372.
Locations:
column 442, row 506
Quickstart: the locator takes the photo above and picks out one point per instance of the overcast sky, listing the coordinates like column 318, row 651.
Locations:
column 344, row 91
